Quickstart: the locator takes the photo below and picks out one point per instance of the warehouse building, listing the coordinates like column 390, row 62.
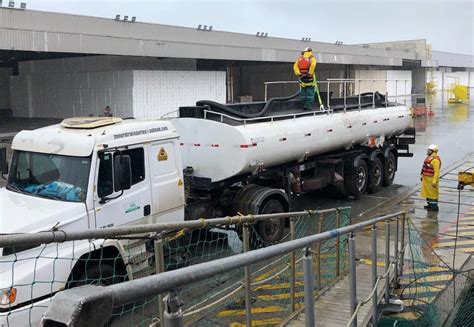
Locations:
column 61, row 65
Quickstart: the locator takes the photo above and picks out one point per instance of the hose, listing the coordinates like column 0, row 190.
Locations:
column 229, row 110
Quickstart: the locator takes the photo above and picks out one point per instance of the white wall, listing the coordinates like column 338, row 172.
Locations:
column 391, row 87
column 5, row 74
column 156, row 93
column 60, row 95
column 400, row 87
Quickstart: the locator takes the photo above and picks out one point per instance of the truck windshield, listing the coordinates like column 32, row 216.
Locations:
column 50, row 176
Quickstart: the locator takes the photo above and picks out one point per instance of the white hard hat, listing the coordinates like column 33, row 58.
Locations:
column 308, row 49
column 433, row 147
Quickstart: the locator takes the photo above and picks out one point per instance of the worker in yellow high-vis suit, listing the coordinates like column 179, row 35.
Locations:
column 430, row 178
column 304, row 68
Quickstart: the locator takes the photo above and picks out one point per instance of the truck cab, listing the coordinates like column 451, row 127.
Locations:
column 84, row 173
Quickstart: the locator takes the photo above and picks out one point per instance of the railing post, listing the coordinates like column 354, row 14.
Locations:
column 396, row 92
column 318, row 253
column 159, row 267
column 345, row 95
column 359, row 95
column 387, row 260
column 395, row 251
column 373, row 94
column 405, row 97
column 374, row 274
column 353, row 277
column 292, row 267
column 248, row 290
column 338, row 241
column 402, row 254
column 265, row 90
column 173, row 316
column 308, row 288
column 329, row 105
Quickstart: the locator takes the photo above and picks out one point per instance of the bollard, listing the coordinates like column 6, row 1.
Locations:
column 173, row 316
column 374, row 274
column 292, row 268
column 387, row 261
column 160, row 267
column 248, row 290
column 308, row 288
column 353, row 277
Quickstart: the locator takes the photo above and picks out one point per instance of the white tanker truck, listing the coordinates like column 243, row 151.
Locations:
column 212, row 160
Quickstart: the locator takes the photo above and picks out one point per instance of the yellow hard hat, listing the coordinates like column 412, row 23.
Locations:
column 433, row 147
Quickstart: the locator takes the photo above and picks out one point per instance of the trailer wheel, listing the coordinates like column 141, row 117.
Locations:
column 389, row 169
column 271, row 231
column 356, row 184
column 376, row 176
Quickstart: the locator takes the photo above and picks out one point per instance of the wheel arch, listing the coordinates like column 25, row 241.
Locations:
column 108, row 254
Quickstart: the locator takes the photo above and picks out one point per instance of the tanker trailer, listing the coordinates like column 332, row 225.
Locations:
column 245, row 158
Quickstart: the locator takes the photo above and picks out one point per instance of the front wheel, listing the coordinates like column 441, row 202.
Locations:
column 272, row 230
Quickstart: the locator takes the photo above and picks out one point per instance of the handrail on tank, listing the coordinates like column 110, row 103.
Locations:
column 344, row 83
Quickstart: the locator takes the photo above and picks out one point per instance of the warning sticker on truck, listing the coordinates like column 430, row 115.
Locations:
column 162, row 155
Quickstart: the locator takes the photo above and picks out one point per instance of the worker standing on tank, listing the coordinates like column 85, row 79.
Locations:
column 430, row 178
column 304, row 68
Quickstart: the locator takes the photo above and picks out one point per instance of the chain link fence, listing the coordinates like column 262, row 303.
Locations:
column 35, row 268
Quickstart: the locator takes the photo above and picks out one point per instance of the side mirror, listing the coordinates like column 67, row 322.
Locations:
column 122, row 172
column 3, row 161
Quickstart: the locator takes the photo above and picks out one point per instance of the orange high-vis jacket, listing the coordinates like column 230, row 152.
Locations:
column 300, row 64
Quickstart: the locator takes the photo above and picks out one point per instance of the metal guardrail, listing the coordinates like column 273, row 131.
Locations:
column 73, row 307
column 200, row 241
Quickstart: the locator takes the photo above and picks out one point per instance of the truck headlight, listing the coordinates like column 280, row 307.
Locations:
column 8, row 296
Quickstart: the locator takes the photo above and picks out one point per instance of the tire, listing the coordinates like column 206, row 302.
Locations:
column 356, row 184
column 390, row 164
column 271, row 231
column 99, row 275
column 376, row 176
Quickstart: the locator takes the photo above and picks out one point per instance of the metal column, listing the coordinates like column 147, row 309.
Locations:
column 374, row 274
column 387, row 261
column 353, row 277
column 248, row 290
column 308, row 277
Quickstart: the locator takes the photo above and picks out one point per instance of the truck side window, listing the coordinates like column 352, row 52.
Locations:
column 137, row 158
column 105, row 184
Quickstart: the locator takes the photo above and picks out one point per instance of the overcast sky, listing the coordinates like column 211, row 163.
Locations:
column 447, row 24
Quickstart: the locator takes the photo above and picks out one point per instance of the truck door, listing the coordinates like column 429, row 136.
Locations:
column 114, row 207
column 166, row 181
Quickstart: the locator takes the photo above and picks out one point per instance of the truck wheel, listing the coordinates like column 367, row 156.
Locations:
column 389, row 169
column 376, row 176
column 98, row 275
column 356, row 183
column 271, row 231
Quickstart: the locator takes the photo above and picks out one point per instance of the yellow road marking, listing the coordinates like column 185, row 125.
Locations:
column 451, row 243
column 229, row 313
column 282, row 296
column 266, row 275
column 276, row 286
column 428, row 269
column 466, row 250
column 423, row 289
column 422, row 300
column 263, row 322
column 453, row 229
column 406, row 315
column 369, row 262
column 436, row 278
